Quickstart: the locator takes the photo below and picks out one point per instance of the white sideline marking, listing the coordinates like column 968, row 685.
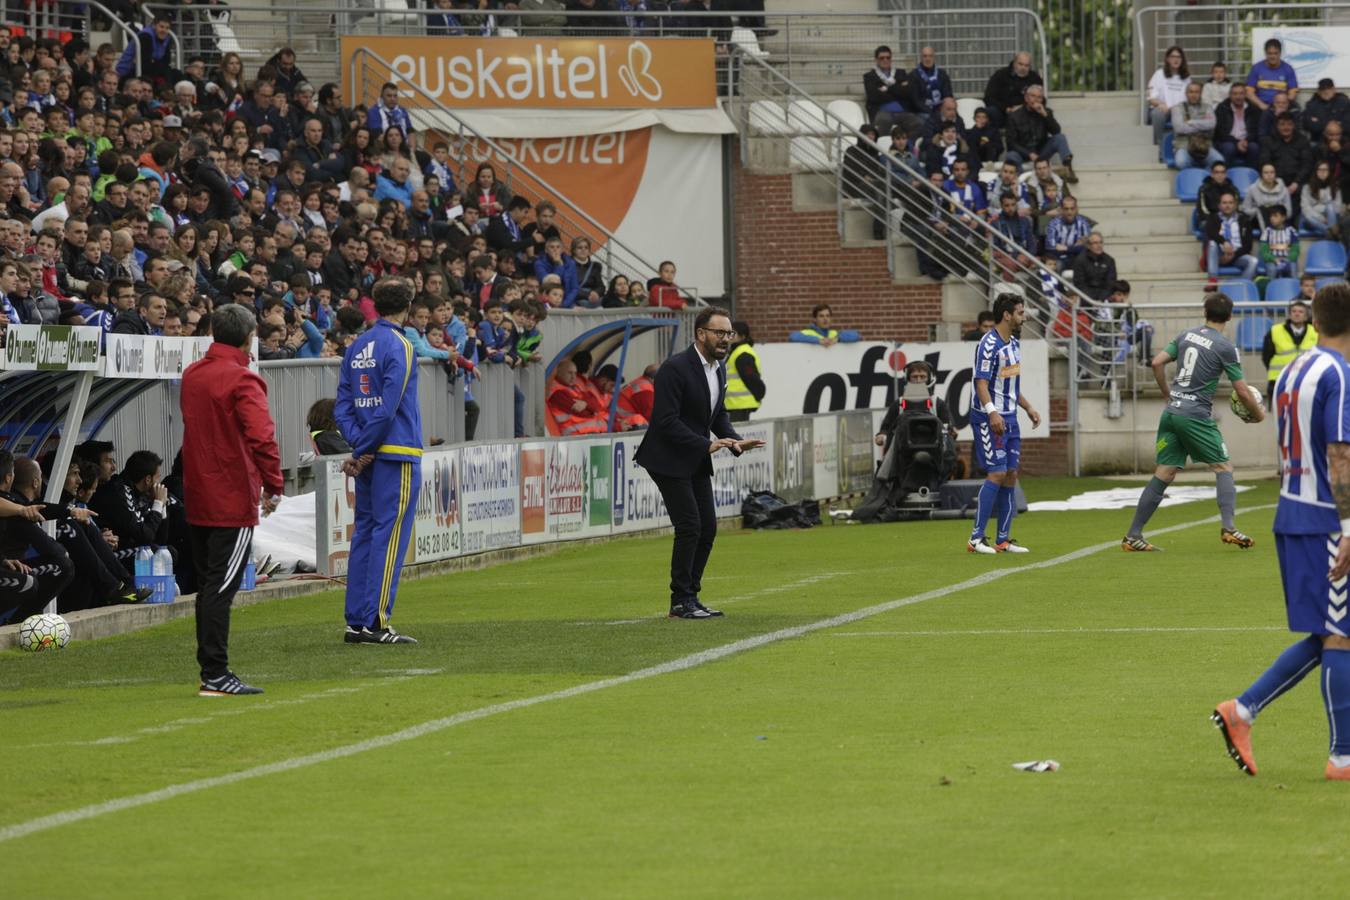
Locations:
column 776, row 589
column 691, row 661
column 1010, row 631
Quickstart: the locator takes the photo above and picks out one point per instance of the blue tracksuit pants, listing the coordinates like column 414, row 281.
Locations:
column 386, row 500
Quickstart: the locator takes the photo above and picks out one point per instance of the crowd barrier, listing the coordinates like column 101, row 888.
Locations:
column 494, row 495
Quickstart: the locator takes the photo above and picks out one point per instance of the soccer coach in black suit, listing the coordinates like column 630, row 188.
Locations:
column 677, row 452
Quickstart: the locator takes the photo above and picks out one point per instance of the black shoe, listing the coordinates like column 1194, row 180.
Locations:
column 690, row 610
column 227, row 685
column 376, row 636
column 712, row 612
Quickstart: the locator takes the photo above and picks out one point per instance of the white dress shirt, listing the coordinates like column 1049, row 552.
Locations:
column 714, row 386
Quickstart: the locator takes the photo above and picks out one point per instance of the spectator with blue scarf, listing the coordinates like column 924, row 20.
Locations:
column 928, row 84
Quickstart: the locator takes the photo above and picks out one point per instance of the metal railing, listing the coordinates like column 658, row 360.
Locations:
column 369, row 71
column 1214, row 33
column 898, row 205
column 826, row 52
column 55, row 18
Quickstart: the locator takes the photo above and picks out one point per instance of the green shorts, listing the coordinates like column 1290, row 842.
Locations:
column 1180, row 437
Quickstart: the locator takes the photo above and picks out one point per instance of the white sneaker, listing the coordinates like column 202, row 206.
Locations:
column 980, row 546
column 1010, row 547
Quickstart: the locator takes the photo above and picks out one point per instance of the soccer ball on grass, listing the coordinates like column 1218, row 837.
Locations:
column 46, row 631
column 1240, row 409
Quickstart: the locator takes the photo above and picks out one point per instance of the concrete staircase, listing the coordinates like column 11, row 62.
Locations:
column 1128, row 193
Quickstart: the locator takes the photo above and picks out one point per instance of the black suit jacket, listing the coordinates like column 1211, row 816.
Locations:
column 676, row 443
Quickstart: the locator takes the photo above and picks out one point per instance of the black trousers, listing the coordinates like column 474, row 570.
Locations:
column 739, row 415
column 99, row 574
column 689, row 501
column 221, row 555
column 25, row 594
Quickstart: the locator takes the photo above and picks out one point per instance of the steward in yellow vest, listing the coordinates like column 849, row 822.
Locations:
column 1285, row 341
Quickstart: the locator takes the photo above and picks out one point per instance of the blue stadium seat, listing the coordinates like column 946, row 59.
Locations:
column 1323, row 282
column 1243, row 178
column 1240, row 290
column 1187, row 184
column 1281, row 290
column 1252, row 330
column 1325, row 258
column 1168, row 153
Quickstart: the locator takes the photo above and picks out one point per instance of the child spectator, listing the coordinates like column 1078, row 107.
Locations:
column 820, row 330
column 415, row 330
column 662, row 291
column 1216, row 90
column 1279, row 245
column 985, row 140
column 494, row 338
column 554, row 262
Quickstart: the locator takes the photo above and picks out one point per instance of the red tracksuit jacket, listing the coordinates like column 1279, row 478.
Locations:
column 229, row 440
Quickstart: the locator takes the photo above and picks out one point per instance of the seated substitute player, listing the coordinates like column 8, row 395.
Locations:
column 993, row 417
column 1187, row 427
column 1312, row 536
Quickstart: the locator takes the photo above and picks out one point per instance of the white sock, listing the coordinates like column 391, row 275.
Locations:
column 1340, row 762
column 1244, row 713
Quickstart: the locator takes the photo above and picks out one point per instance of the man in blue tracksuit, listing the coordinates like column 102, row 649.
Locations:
column 377, row 414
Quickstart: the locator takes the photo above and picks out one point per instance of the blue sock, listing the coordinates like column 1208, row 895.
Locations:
column 1336, row 694
column 1294, row 663
column 988, row 494
column 1005, row 507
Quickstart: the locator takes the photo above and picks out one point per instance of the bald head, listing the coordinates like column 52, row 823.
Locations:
column 27, row 477
column 566, row 372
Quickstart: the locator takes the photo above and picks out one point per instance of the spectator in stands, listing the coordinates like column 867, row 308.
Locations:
column 941, row 153
column 1017, row 228
column 152, row 48
column 549, row 16
column 1228, row 240
column 1327, row 105
column 1193, row 127
column 965, row 193
column 1094, row 270
column 617, row 294
column 984, row 323
column 1279, row 244
column 1236, row 124
column 1291, row 153
column 1321, row 206
column 984, row 138
column 888, row 90
column 490, row 197
column 862, row 167
column 1067, row 233
column 929, row 85
column 1307, row 288
column 388, row 114
column 146, row 318
column 1267, row 191
column 393, row 184
column 1271, row 76
column 944, row 114
column 1285, row 341
column 1033, row 133
column 1167, row 89
column 1271, row 116
column 505, row 233
column 590, row 273
column 1218, row 88
column 1215, row 185
column 553, row 261
column 1006, row 87
column 821, row 332
column 1334, row 150
column 662, row 290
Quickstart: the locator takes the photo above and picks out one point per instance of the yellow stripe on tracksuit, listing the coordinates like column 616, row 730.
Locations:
column 391, row 560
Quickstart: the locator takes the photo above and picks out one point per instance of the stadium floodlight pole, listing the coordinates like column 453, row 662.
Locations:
column 65, row 448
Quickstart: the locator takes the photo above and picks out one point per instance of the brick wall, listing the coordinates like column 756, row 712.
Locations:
column 788, row 261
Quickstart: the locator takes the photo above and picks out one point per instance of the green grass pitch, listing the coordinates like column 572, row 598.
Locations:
column 870, row 758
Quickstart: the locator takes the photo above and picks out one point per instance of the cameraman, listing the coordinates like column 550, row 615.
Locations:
column 920, row 373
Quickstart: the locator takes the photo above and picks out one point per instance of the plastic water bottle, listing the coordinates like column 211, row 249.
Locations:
column 164, row 568
column 143, row 565
column 250, row 580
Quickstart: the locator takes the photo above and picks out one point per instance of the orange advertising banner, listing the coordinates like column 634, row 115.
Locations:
column 544, row 73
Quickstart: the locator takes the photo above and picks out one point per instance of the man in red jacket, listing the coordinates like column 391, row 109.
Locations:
column 230, row 462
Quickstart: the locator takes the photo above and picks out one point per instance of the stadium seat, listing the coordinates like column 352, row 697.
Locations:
column 1252, row 331
column 847, row 111
column 1240, row 290
column 1169, row 156
column 744, row 40
column 965, row 108
column 768, row 118
column 1323, row 282
column 810, row 153
column 806, row 117
column 1241, row 177
column 1186, row 186
column 1281, row 290
column 884, row 142
column 1325, row 258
